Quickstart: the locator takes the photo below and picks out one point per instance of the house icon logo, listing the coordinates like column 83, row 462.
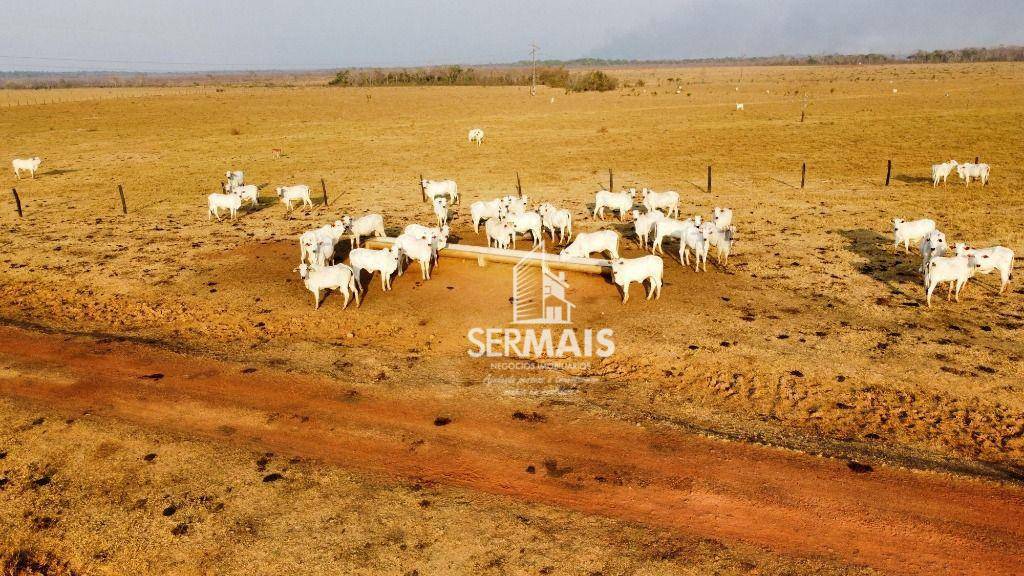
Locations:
column 538, row 293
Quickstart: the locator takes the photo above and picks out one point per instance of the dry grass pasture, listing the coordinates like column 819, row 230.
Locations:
column 814, row 339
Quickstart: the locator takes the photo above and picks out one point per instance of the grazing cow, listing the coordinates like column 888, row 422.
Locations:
column 667, row 202
column 626, row 271
column 905, row 232
column 589, row 242
column 229, row 202
column 30, row 164
column 940, row 172
column 296, row 193
column 476, row 135
column 956, row 270
column 989, row 259
column 968, row 171
column 614, row 201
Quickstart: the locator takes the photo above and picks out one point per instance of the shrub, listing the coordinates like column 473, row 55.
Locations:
column 594, row 80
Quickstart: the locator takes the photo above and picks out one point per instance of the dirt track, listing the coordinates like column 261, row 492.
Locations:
column 889, row 519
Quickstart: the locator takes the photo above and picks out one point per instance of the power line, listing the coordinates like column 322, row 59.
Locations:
column 533, row 54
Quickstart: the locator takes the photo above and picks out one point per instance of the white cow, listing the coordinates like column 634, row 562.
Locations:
column 30, row 164
column 524, row 222
column 649, row 268
column 229, row 202
column 248, row 192
column 368, row 225
column 234, row 178
column 556, row 218
column 672, row 228
column 338, row 277
column 643, row 224
column 722, row 240
column 296, row 193
column 696, row 239
column 476, row 135
column 587, row 243
column 905, row 232
column 989, row 259
column 739, row 106
column 441, row 210
column 620, row 201
column 481, row 210
column 385, row 261
column 500, row 233
column 667, row 202
column 932, row 245
column 940, row 172
column 418, row 250
column 722, row 217
column 968, row 171
column 447, row 188
column 956, row 270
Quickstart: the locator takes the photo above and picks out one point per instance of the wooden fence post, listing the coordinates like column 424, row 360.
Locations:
column 17, row 201
column 977, row 159
column 888, row 172
column 324, row 186
column 124, row 206
column 423, row 190
column 709, row 177
column 803, row 175
column 519, row 184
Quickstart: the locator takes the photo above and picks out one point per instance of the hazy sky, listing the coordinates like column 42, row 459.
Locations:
column 234, row 34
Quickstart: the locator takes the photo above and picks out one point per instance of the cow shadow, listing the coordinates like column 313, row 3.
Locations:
column 908, row 179
column 57, row 172
column 890, row 266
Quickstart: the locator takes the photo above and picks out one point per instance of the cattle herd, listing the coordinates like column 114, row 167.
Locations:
column 507, row 217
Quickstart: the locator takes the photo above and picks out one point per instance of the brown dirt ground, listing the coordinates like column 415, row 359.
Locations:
column 815, row 338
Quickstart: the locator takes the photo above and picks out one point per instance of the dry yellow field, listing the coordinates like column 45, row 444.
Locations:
column 815, row 338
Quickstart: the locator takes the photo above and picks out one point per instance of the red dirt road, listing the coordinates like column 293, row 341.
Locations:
column 890, row 519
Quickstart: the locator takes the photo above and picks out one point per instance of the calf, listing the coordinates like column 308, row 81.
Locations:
column 589, row 242
column 649, row 268
column 441, row 211
column 722, row 240
column 989, row 259
column 906, row 232
column 696, row 239
column 956, row 270
column 614, row 201
column 338, row 277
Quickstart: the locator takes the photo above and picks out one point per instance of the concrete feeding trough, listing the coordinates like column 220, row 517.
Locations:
column 483, row 254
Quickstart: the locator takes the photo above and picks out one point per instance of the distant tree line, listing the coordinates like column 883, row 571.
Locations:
column 997, row 54
column 552, row 76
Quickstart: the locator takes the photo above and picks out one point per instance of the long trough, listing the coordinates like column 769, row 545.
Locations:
column 484, row 254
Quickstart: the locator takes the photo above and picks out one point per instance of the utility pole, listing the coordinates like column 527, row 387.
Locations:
column 533, row 54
